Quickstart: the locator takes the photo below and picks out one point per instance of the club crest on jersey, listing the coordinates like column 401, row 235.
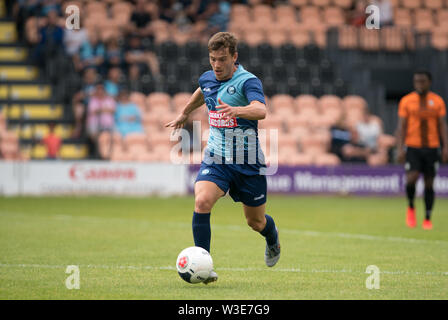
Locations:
column 231, row 90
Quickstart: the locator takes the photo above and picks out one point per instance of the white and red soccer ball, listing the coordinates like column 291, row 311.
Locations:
column 194, row 264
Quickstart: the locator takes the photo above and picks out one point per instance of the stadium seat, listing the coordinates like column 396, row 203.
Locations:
column 439, row 38
column 333, row 16
column 299, row 36
column 285, row 14
column 240, row 9
column 298, row 3
column 262, row 12
column 95, row 7
column 327, row 159
column 120, row 8
column 442, row 18
column 320, row 3
column 158, row 99
column 377, row 159
column 306, row 101
column 369, row 39
column 433, row 4
column 277, row 39
column 282, row 101
column 348, row 37
column 310, row 16
column 314, row 144
column 424, row 20
column 161, row 152
column 393, row 39
column 402, row 17
column 73, row 151
column 180, row 100
column 344, row 4
column 331, row 106
column 411, row 4
column 254, row 37
column 139, row 99
column 352, row 102
column 119, row 154
column 271, row 121
column 38, row 152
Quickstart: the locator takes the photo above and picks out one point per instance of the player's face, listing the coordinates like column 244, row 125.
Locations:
column 421, row 83
column 223, row 63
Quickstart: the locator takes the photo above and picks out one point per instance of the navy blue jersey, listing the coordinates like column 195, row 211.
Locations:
column 233, row 141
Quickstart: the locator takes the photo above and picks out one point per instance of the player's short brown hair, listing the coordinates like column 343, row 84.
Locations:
column 223, row 40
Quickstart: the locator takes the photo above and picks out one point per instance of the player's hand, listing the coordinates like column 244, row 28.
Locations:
column 179, row 122
column 401, row 156
column 226, row 110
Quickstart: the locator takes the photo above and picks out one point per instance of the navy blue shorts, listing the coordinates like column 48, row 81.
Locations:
column 248, row 189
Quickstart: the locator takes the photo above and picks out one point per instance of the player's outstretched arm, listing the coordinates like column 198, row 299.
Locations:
column 254, row 111
column 196, row 100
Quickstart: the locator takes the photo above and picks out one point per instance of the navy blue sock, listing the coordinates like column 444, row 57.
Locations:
column 201, row 230
column 269, row 231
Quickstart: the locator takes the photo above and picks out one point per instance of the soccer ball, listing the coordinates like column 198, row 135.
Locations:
column 194, row 264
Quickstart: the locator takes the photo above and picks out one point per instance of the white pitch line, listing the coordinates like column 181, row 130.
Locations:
column 172, row 268
column 311, row 233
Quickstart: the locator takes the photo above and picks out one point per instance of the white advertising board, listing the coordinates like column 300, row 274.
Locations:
column 91, row 177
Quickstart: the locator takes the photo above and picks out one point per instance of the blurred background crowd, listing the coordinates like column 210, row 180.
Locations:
column 104, row 91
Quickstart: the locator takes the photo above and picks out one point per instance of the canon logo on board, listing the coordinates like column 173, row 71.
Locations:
column 81, row 172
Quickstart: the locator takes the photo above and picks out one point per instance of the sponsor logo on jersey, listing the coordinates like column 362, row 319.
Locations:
column 216, row 120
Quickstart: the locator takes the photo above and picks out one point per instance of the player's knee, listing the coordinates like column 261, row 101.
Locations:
column 256, row 224
column 203, row 204
column 429, row 182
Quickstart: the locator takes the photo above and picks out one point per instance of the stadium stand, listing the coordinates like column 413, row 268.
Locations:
column 317, row 66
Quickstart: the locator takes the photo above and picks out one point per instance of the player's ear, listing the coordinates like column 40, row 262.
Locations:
column 235, row 57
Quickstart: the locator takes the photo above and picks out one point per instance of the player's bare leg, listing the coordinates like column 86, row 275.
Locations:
column 259, row 221
column 411, row 181
column 206, row 193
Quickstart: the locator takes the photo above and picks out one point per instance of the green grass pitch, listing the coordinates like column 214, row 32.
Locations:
column 126, row 248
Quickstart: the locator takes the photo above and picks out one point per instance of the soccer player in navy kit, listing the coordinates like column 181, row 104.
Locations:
column 235, row 101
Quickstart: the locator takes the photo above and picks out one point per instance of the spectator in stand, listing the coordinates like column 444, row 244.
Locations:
column 140, row 21
column 144, row 58
column 81, row 99
column 74, row 39
column 91, row 54
column 386, row 12
column 50, row 39
column 357, row 16
column 53, row 143
column 100, row 115
column 220, row 16
column 114, row 54
column 128, row 118
column 112, row 84
column 168, row 10
column 345, row 143
column 368, row 132
column 134, row 80
column 50, row 5
column 22, row 10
